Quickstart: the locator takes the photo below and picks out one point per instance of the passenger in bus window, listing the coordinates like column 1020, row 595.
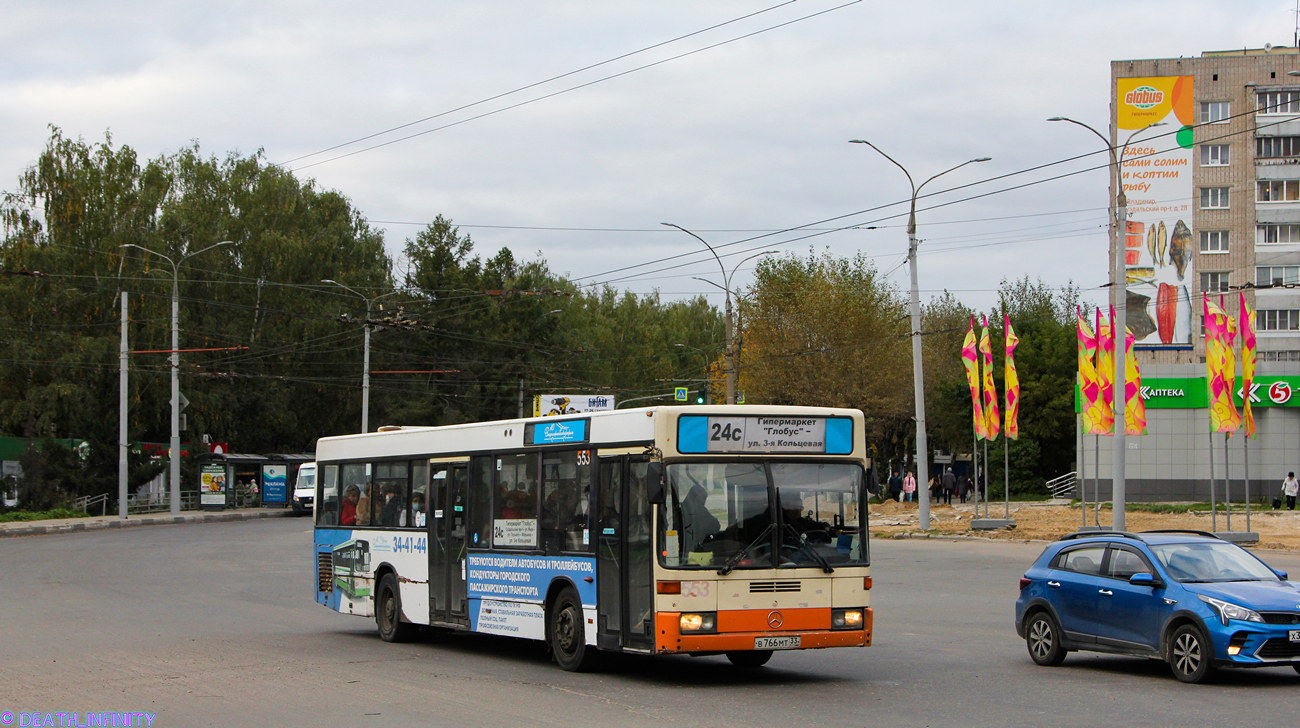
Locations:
column 394, row 506
column 417, row 510
column 363, row 507
column 348, row 516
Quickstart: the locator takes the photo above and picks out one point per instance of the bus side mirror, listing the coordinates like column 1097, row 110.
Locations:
column 654, row 477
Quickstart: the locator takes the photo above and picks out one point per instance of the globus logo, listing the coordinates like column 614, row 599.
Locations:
column 1144, row 97
column 1279, row 392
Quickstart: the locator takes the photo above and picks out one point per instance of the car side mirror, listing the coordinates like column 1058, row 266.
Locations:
column 1143, row 579
column 1280, row 574
column 654, row 482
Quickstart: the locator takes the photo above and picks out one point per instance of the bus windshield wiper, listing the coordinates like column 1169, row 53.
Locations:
column 805, row 547
column 728, row 567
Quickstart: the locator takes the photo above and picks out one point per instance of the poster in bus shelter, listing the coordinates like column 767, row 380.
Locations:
column 275, row 480
column 212, row 485
column 1158, row 237
column 550, row 405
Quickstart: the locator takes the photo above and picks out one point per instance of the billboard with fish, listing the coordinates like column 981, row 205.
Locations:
column 1157, row 177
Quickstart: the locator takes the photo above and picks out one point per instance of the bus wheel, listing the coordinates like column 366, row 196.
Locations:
column 750, row 658
column 388, row 612
column 568, row 638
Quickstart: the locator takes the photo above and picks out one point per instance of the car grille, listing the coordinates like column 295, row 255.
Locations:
column 762, row 587
column 1278, row 648
column 1281, row 617
column 325, row 572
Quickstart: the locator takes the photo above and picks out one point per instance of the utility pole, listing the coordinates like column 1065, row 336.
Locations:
column 174, row 472
column 365, row 359
column 726, row 288
column 123, row 443
column 1119, row 333
column 918, row 373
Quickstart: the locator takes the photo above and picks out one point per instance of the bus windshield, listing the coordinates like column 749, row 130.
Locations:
column 725, row 515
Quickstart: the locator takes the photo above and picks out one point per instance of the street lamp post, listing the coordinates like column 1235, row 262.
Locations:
column 1119, row 289
column 365, row 362
column 918, row 374
column 174, row 472
column 726, row 288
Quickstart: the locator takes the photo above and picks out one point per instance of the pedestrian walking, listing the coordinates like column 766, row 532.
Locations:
column 909, row 487
column 896, row 486
column 963, row 488
column 1290, row 489
column 949, row 485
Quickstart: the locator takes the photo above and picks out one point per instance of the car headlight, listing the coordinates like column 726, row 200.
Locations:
column 699, row 622
column 846, row 619
column 1228, row 610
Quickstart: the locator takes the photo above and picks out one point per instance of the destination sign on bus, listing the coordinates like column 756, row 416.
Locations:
column 765, row 434
column 556, row 433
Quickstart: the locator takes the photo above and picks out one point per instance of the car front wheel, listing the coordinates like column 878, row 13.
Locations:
column 1191, row 655
column 1043, row 639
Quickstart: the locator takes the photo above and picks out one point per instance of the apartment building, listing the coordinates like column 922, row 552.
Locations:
column 1212, row 179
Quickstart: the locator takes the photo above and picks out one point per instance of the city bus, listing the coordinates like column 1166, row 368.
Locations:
column 734, row 530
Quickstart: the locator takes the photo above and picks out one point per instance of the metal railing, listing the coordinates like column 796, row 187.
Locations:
column 1060, row 486
column 85, row 503
column 161, row 502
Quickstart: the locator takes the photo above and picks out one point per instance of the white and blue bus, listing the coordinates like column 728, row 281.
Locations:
column 735, row 530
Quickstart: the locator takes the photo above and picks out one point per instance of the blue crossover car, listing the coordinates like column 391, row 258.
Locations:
column 1185, row 597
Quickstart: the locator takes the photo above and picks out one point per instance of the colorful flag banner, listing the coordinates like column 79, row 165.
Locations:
column 1219, row 378
column 1011, row 383
column 1106, row 374
column 1088, row 387
column 1135, row 409
column 970, row 359
column 990, row 390
column 1247, row 364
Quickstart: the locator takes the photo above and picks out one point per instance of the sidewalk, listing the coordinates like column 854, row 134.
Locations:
column 98, row 523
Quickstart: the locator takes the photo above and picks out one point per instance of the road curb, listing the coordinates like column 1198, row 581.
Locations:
column 45, row 528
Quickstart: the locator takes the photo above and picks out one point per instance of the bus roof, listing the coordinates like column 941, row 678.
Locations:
column 613, row 428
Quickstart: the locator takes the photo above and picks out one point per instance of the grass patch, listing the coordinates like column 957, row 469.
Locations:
column 12, row 516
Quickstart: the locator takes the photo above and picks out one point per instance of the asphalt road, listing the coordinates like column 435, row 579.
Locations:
column 214, row 625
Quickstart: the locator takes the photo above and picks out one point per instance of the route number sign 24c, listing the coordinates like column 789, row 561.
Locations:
column 766, row 434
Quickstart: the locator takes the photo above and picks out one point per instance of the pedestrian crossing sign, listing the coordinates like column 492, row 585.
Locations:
column 680, row 394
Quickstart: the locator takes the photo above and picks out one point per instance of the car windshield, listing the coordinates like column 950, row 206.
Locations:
column 1209, row 562
column 721, row 514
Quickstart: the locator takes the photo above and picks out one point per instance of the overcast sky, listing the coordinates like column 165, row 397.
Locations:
column 748, row 136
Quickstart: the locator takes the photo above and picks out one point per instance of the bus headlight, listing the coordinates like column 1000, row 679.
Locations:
column 846, row 619
column 699, row 622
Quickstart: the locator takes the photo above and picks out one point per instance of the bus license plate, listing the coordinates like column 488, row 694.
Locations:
column 1295, row 635
column 776, row 643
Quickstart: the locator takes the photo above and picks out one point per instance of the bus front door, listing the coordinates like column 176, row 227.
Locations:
column 447, row 591
column 625, row 604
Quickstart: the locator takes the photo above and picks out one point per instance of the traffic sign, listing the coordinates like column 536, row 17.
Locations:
column 681, row 394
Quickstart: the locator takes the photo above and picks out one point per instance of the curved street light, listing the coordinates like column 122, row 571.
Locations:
column 365, row 360
column 726, row 288
column 918, row 378
column 1118, row 285
column 174, row 469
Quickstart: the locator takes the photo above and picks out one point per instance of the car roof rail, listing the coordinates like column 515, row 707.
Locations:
column 1207, row 534
column 1090, row 534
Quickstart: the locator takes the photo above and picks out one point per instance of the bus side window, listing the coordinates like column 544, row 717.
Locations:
column 419, row 505
column 480, row 502
column 327, row 503
column 355, row 508
column 566, row 492
column 514, row 524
